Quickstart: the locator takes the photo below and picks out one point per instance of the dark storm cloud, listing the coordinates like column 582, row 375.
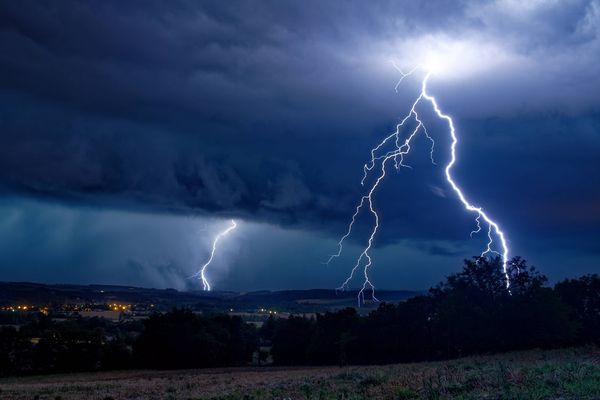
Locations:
column 266, row 110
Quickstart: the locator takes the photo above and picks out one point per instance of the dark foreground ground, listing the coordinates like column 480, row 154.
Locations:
column 557, row 374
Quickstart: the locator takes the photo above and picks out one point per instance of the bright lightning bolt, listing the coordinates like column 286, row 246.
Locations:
column 397, row 154
column 200, row 273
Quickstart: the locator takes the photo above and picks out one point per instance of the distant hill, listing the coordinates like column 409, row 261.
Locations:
column 12, row 293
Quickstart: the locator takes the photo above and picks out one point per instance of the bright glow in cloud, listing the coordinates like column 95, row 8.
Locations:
column 456, row 59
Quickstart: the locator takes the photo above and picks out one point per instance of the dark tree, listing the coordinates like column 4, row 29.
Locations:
column 15, row 352
column 182, row 339
column 583, row 297
column 291, row 340
column 332, row 335
column 472, row 312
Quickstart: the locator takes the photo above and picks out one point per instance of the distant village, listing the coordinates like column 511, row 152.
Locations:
column 115, row 312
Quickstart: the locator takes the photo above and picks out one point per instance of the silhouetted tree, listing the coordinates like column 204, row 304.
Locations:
column 331, row 336
column 181, row 339
column 473, row 311
column 69, row 347
column 583, row 297
column 15, row 352
column 291, row 339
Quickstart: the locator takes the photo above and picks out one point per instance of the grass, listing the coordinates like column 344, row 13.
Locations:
column 531, row 375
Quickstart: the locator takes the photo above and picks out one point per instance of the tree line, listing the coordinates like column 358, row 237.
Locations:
column 471, row 312
column 177, row 339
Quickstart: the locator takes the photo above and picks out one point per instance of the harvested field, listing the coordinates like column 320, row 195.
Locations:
column 556, row 374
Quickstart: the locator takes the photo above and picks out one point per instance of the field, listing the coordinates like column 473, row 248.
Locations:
column 556, row 374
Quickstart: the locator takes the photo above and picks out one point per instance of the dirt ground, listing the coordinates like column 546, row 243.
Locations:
column 556, row 374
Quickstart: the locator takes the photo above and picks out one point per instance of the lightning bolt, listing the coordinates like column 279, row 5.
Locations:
column 382, row 157
column 220, row 235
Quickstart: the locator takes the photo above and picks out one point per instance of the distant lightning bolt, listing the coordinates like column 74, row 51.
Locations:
column 200, row 273
column 397, row 154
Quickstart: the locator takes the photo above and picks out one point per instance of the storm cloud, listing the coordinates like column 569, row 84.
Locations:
column 266, row 111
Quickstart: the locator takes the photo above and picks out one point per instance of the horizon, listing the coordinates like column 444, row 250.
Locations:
column 200, row 290
column 550, row 282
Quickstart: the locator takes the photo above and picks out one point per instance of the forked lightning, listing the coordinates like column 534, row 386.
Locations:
column 381, row 158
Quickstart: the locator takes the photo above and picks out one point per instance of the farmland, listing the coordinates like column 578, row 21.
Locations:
column 538, row 374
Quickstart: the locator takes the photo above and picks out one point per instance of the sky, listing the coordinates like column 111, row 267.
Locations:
column 132, row 132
